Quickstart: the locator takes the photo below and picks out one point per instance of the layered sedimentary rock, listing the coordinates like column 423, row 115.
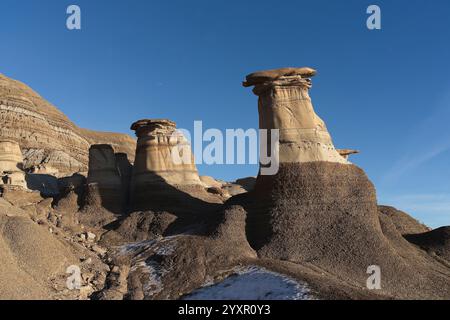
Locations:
column 48, row 139
column 106, row 188
column 284, row 104
column 321, row 210
column 154, row 161
column 103, row 169
column 11, row 164
column 313, row 175
column 164, row 173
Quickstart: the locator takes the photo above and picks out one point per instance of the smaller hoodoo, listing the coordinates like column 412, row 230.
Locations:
column 11, row 164
column 155, row 164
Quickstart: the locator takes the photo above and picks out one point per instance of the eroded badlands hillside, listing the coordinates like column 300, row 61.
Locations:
column 49, row 141
column 155, row 229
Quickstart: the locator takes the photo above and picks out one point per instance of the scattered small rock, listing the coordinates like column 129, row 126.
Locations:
column 90, row 236
column 97, row 249
column 115, row 269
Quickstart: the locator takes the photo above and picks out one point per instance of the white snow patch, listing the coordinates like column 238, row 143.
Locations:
column 143, row 261
column 253, row 283
column 131, row 248
column 153, row 285
column 163, row 246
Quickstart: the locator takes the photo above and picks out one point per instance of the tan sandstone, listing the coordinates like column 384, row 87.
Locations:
column 154, row 162
column 11, row 164
column 321, row 211
column 48, row 139
column 284, row 104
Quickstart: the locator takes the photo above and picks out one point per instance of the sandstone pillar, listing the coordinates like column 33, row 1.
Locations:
column 104, row 184
column 103, row 168
column 11, row 163
column 154, row 162
column 284, row 104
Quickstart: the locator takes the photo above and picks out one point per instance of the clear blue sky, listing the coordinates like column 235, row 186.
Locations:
column 386, row 93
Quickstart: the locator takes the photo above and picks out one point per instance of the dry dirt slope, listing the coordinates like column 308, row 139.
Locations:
column 35, row 255
column 326, row 215
column 29, row 256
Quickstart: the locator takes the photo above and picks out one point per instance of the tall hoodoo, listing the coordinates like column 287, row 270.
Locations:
column 11, row 163
column 319, row 208
column 284, row 104
column 154, row 162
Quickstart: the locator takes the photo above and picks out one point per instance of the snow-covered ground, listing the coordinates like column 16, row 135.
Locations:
column 253, row 283
column 246, row 283
column 143, row 263
column 163, row 246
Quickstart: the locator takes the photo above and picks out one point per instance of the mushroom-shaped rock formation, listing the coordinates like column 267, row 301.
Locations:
column 164, row 170
column 284, row 104
column 154, row 162
column 321, row 211
column 11, row 164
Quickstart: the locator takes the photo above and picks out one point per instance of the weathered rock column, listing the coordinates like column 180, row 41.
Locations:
column 153, row 161
column 284, row 104
column 103, row 167
column 105, row 186
column 316, row 196
column 11, row 163
column 156, row 178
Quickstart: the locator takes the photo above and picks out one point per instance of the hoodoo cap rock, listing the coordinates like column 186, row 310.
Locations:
column 270, row 75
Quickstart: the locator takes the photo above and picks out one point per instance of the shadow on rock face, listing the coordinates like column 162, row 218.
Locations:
column 326, row 214
column 76, row 184
column 160, row 195
column 169, row 267
column 435, row 242
column 125, row 168
column 160, row 209
column 108, row 179
column 46, row 184
column 106, row 191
